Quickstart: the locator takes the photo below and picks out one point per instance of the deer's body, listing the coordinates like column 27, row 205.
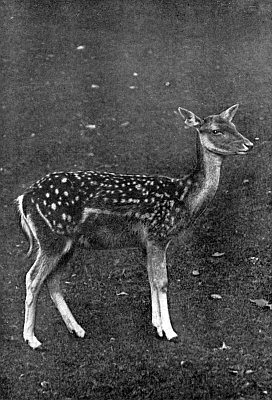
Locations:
column 95, row 209
column 106, row 210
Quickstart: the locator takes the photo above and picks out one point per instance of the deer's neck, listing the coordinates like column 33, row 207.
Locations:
column 205, row 180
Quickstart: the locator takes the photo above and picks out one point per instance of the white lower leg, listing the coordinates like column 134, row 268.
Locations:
column 156, row 316
column 157, row 273
column 66, row 314
column 53, row 284
column 165, row 318
column 30, row 309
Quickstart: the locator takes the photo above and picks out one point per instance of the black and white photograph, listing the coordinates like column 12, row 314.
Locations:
column 136, row 200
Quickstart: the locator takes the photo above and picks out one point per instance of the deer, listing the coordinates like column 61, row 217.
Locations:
column 105, row 210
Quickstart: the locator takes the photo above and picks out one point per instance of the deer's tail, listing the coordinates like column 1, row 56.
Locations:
column 26, row 227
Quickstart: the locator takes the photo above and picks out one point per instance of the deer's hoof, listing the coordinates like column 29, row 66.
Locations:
column 79, row 332
column 175, row 339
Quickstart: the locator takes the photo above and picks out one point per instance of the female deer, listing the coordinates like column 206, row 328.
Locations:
column 106, row 210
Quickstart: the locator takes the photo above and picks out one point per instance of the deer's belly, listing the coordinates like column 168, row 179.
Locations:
column 110, row 232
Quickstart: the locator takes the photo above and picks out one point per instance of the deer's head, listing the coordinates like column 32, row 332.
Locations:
column 217, row 133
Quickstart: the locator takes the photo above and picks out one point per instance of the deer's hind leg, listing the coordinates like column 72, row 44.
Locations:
column 46, row 261
column 53, row 284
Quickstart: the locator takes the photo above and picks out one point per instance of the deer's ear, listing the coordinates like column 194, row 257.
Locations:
column 229, row 113
column 190, row 119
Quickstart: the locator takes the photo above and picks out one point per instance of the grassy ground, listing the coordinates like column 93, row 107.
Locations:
column 125, row 67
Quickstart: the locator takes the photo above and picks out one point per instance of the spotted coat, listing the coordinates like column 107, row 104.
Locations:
column 68, row 200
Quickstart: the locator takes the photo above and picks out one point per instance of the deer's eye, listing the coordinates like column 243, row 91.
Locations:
column 216, row 132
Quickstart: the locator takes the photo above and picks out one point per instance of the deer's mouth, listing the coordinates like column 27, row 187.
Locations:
column 245, row 149
column 242, row 152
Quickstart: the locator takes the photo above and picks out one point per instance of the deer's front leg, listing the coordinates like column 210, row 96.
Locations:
column 157, row 274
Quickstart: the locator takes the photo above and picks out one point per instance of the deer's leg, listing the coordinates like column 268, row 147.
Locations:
column 155, row 306
column 34, row 280
column 157, row 273
column 53, row 284
column 42, row 267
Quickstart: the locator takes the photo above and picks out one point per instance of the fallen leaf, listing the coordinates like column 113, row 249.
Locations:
column 216, row 296
column 233, row 371
column 261, row 303
column 246, row 385
column 254, row 260
column 224, row 347
column 45, row 384
column 217, row 254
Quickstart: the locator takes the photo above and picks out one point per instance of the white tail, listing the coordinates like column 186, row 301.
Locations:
column 106, row 210
column 25, row 226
